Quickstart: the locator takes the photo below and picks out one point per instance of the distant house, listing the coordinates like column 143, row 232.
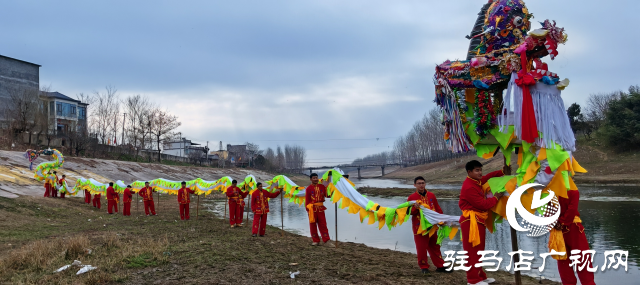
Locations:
column 181, row 147
column 67, row 114
column 237, row 155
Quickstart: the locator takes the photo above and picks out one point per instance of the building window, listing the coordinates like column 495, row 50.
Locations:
column 82, row 113
column 59, row 109
column 73, row 110
column 52, row 108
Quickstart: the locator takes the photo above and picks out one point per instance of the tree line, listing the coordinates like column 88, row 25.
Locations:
column 613, row 117
column 423, row 143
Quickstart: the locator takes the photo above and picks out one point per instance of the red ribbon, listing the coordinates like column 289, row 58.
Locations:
column 529, row 125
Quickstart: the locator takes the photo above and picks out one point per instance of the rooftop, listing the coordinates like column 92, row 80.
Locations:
column 61, row 96
column 21, row 60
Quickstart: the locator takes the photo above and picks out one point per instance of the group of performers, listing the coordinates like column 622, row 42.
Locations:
column 474, row 202
column 52, row 184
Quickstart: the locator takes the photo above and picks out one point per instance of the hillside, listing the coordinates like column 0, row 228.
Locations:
column 604, row 166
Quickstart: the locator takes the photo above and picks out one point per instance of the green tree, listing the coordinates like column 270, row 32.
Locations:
column 575, row 117
column 622, row 127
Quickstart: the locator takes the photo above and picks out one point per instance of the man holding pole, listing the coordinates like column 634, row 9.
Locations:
column 475, row 206
column 54, row 185
column 260, row 208
column 147, row 195
column 236, row 204
column 429, row 242
column 63, row 191
column 184, row 198
column 314, row 204
column 112, row 199
column 96, row 200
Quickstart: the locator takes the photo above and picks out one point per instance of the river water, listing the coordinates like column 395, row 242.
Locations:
column 611, row 223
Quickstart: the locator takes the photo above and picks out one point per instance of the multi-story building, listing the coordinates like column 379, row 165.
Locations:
column 181, row 147
column 66, row 114
column 15, row 75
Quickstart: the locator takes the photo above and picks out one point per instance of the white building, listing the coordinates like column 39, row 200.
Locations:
column 181, row 147
column 67, row 114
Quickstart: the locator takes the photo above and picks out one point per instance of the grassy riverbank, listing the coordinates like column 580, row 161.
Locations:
column 40, row 235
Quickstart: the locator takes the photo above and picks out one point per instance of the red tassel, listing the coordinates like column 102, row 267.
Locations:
column 529, row 125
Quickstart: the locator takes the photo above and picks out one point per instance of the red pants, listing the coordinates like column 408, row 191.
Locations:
column 426, row 244
column 110, row 205
column 126, row 211
column 62, row 194
column 574, row 239
column 184, row 211
column 320, row 224
column 47, row 190
column 149, row 207
column 87, row 196
column 235, row 213
column 259, row 224
column 54, row 191
column 475, row 274
column 96, row 201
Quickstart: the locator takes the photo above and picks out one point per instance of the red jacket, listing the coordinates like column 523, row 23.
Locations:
column 111, row 194
column 126, row 196
column 260, row 202
column 183, row 195
column 236, row 195
column 146, row 193
column 569, row 207
column 472, row 197
column 429, row 199
column 316, row 194
column 60, row 181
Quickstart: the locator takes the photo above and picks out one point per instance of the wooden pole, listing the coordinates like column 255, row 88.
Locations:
column 137, row 200
column 282, row 213
column 336, row 212
column 225, row 210
column 158, row 200
column 514, row 238
column 198, row 208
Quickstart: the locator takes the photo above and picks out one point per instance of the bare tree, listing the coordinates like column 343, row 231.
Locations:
column 162, row 126
column 106, row 110
column 597, row 106
column 21, row 108
column 280, row 161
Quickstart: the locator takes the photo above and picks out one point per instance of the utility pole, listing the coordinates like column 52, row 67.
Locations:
column 180, row 138
column 123, row 119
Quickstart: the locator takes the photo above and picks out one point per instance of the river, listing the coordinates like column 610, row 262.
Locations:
column 610, row 222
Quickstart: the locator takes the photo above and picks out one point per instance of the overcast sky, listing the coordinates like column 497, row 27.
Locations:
column 277, row 72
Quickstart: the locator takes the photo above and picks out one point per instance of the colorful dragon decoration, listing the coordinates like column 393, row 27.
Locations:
column 528, row 119
column 342, row 191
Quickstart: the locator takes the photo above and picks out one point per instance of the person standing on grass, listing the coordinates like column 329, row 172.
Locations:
column 429, row 242
column 184, row 198
column 63, row 191
column 54, row 185
column 47, row 185
column 126, row 201
column 87, row 196
column 112, row 199
column 260, row 208
column 96, row 200
column 314, row 204
column 475, row 205
column 236, row 204
column 147, row 195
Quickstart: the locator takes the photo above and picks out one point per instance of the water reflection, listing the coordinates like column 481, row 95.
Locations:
column 608, row 226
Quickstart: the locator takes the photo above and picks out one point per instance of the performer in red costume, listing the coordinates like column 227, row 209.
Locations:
column 314, row 203
column 475, row 205
column 147, row 195
column 54, row 186
column 429, row 242
column 96, row 200
column 184, row 199
column 574, row 238
column 60, row 182
column 87, row 196
column 236, row 204
column 112, row 199
column 126, row 201
column 260, row 208
column 47, row 186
